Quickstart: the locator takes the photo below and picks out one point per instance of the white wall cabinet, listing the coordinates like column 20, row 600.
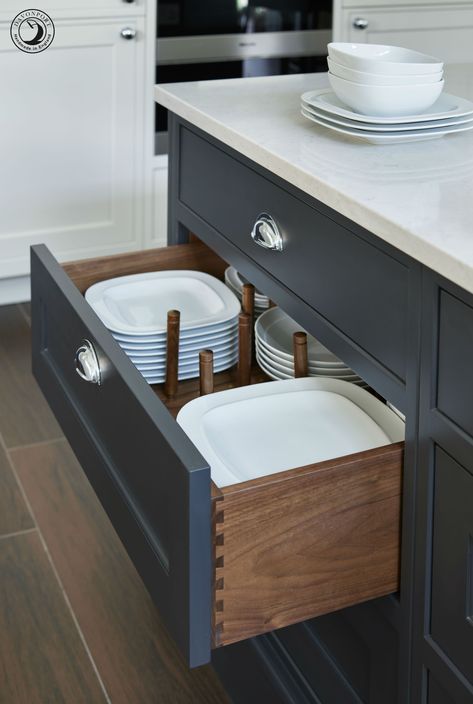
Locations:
column 72, row 145
column 445, row 31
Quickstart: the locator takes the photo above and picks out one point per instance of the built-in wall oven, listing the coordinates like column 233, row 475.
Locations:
column 210, row 39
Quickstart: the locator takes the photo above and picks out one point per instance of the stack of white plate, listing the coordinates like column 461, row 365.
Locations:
column 274, row 332
column 134, row 308
column 449, row 114
column 285, row 424
column 385, row 94
column 235, row 282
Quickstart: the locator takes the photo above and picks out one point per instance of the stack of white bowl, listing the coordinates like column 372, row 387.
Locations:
column 380, row 80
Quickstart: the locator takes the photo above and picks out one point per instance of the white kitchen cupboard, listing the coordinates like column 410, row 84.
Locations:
column 72, row 144
column 445, row 30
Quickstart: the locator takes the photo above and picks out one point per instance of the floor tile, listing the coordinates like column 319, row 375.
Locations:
column 24, row 414
column 14, row 514
column 42, row 658
column 138, row 662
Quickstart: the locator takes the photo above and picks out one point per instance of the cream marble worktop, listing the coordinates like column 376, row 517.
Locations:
column 418, row 197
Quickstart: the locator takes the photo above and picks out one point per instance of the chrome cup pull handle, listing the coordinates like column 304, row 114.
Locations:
column 266, row 233
column 128, row 33
column 87, row 363
column 360, row 23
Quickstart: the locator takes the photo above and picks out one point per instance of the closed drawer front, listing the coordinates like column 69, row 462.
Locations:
column 221, row 564
column 359, row 288
column 455, row 372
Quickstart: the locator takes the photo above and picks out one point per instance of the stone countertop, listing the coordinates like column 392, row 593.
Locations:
column 418, row 197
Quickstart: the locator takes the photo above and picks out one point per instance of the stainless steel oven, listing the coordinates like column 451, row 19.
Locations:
column 210, row 39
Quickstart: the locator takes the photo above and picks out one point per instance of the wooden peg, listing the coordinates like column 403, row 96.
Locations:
column 301, row 361
column 248, row 300
column 244, row 349
column 206, row 372
column 248, row 307
column 172, row 353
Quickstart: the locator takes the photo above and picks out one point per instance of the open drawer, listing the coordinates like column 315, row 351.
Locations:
column 221, row 564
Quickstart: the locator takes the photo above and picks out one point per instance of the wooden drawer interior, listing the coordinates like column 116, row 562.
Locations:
column 292, row 545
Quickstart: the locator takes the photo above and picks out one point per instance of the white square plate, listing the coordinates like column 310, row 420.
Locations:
column 138, row 304
column 446, row 107
column 258, row 430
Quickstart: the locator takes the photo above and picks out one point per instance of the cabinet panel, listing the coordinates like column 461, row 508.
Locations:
column 350, row 656
column 452, row 570
column 359, row 288
column 446, row 32
column 71, row 159
column 436, row 693
column 455, row 349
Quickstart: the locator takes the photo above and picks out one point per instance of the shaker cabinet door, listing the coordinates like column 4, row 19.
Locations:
column 439, row 30
column 71, row 132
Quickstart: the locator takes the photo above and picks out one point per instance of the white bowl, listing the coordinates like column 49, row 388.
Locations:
column 386, row 101
column 366, row 78
column 383, row 59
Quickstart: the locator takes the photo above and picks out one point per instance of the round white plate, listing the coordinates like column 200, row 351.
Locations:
column 275, row 328
column 235, row 280
column 288, row 367
column 286, row 424
column 278, row 372
column 391, row 138
column 138, row 304
column 355, row 125
column 270, row 355
column 447, row 106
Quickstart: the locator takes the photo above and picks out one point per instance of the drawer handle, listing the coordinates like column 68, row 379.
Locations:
column 87, row 363
column 360, row 23
column 266, row 233
column 128, row 33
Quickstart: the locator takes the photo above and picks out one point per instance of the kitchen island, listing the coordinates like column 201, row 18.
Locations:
column 344, row 581
column 377, row 262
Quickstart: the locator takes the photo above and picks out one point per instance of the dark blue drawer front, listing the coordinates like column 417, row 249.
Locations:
column 360, row 289
column 149, row 477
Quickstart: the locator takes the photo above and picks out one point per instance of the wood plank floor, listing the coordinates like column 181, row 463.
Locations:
column 76, row 623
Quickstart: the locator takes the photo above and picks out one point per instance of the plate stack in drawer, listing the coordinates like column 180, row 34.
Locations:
column 134, row 308
column 235, row 282
column 274, row 332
